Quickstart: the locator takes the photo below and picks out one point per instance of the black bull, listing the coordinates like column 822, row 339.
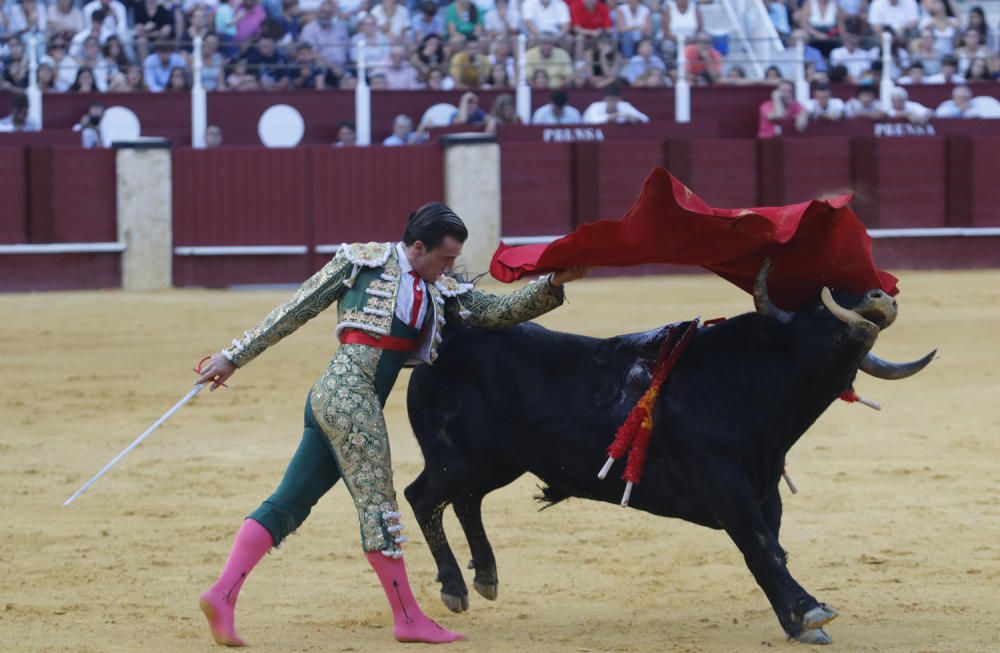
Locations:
column 498, row 404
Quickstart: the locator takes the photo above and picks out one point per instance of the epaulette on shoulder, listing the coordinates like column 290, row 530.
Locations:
column 452, row 287
column 369, row 255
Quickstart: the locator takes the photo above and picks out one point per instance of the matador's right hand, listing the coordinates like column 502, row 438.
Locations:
column 216, row 371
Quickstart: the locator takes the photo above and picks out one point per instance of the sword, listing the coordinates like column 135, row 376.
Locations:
column 135, row 443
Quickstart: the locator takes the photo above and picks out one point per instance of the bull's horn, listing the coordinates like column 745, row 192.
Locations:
column 883, row 369
column 847, row 317
column 761, row 301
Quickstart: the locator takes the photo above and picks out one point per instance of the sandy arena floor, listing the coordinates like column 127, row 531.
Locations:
column 897, row 523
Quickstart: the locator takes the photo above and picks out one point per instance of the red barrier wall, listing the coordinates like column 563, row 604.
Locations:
column 794, row 170
column 985, row 195
column 13, row 208
column 536, row 189
column 900, row 182
column 723, row 172
column 22, row 272
column 71, row 195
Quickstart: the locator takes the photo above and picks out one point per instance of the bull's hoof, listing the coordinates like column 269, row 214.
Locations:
column 821, row 615
column 455, row 603
column 814, row 636
column 486, row 590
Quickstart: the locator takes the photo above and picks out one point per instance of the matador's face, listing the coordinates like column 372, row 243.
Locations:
column 432, row 263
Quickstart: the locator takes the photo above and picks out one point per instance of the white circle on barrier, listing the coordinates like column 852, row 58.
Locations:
column 119, row 124
column 281, row 126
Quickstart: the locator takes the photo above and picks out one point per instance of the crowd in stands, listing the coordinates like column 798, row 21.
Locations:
column 147, row 45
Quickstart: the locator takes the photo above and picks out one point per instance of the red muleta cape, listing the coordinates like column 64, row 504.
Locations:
column 811, row 245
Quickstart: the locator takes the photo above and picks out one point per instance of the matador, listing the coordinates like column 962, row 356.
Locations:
column 394, row 300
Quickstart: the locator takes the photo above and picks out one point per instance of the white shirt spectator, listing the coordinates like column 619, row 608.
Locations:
column 857, row 62
column 400, row 19
column 546, row 115
column 637, row 66
column 309, row 6
column 949, row 109
column 116, row 22
column 685, row 24
column 854, row 108
column 65, row 71
column 350, row 7
column 834, row 109
column 597, row 113
column 17, row 19
column 546, row 18
column 912, row 110
column 897, row 16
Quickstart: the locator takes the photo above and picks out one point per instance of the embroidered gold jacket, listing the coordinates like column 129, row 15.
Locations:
column 451, row 300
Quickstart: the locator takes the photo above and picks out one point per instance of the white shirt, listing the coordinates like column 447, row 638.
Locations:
column 115, row 23
column 546, row 19
column 597, row 113
column 910, row 110
column 546, row 115
column 857, row 62
column 404, row 298
column 834, row 109
column 883, row 12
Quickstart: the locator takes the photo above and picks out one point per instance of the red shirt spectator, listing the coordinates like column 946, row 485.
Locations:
column 590, row 14
column 782, row 109
column 703, row 58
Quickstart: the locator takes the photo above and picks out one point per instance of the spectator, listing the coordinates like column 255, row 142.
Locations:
column 900, row 106
column 268, row 64
column 736, row 76
column 948, row 75
column 94, row 31
column 821, row 19
column 178, row 81
column 612, row 109
column 643, row 62
column 940, row 27
column 28, row 16
column 634, row 22
column 403, row 134
column 555, row 61
column 290, row 20
column 545, row 16
column 225, row 21
column 702, row 57
column 94, row 60
column 925, row 49
column 428, row 22
column 580, row 77
column 400, row 74
column 115, row 20
column 130, row 82
column 959, row 106
column 18, row 120
column 777, row 11
column 503, row 21
column 84, row 81
column 557, row 112
column 212, row 75
column 213, row 136
column 153, row 22
column 199, row 26
column 89, row 126
column 463, row 19
column 901, row 15
column 899, row 56
column 605, row 62
column 855, row 12
column 239, row 79
column 810, row 54
column 970, row 48
column 772, row 74
column 328, row 36
column 977, row 21
column 347, row 135
column 823, row 107
column 64, row 20
column 60, row 61
column 865, row 104
column 501, row 55
column 681, row 18
column 653, row 78
column 377, row 44
column 159, row 64
column 503, row 112
column 249, row 17
column 307, row 72
column 392, row 19
column 540, row 79
column 430, row 54
column 498, row 77
column 470, row 67
column 46, row 78
column 979, row 71
column 589, row 19
column 469, row 112
column 438, row 81
column 115, row 54
column 780, row 109
column 914, row 74
column 854, row 58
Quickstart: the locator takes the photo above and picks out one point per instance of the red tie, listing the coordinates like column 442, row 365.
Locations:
column 418, row 298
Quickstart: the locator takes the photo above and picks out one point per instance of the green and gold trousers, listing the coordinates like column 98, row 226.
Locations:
column 345, row 437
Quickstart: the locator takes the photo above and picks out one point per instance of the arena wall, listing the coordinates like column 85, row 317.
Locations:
column 252, row 216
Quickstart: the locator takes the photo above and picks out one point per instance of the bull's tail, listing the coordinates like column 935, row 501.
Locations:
column 549, row 496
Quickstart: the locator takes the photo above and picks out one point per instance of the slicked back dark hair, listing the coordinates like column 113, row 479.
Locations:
column 431, row 223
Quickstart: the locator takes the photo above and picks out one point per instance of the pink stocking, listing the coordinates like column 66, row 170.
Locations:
column 411, row 624
column 219, row 602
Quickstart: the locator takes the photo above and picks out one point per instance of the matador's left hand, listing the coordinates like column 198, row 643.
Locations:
column 569, row 274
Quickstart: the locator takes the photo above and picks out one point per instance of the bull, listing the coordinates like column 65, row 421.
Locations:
column 498, row 404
